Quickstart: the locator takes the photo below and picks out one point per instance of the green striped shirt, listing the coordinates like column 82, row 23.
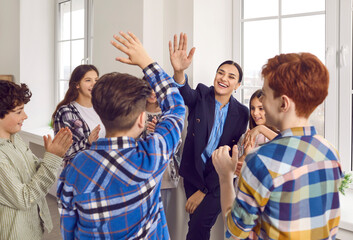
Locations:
column 24, row 182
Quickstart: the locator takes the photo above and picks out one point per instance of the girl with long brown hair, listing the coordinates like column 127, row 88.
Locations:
column 76, row 112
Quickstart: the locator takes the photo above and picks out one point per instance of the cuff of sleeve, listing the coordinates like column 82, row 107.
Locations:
column 52, row 160
column 181, row 85
column 151, row 68
column 204, row 190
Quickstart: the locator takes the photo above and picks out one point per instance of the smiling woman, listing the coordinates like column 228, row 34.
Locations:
column 212, row 114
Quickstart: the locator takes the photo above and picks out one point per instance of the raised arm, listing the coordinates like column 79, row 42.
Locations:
column 251, row 134
column 168, row 131
column 131, row 46
column 225, row 167
column 179, row 58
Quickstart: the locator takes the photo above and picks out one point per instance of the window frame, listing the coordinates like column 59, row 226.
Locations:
column 88, row 38
column 340, row 91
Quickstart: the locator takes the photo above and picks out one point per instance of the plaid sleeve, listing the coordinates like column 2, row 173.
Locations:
column 168, row 131
column 67, row 210
column 65, row 117
column 252, row 196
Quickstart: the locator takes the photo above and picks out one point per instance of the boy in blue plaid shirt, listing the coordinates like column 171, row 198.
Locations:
column 112, row 190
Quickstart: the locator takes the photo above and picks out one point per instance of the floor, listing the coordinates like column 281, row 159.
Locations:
column 53, row 207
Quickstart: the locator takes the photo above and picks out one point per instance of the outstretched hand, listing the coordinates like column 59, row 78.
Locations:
column 60, row 144
column 94, row 134
column 179, row 58
column 223, row 163
column 151, row 126
column 132, row 47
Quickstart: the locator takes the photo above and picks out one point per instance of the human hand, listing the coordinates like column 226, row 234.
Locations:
column 94, row 134
column 249, row 139
column 178, row 55
column 223, row 163
column 151, row 126
column 194, row 201
column 239, row 166
column 132, row 47
column 60, row 144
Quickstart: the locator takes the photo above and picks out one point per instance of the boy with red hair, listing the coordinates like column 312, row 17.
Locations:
column 288, row 188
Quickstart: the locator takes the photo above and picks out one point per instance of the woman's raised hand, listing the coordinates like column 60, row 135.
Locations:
column 179, row 58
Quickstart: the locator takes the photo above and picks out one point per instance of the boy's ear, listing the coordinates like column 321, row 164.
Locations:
column 286, row 103
column 141, row 120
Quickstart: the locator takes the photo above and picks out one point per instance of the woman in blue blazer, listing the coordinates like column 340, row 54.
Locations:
column 215, row 119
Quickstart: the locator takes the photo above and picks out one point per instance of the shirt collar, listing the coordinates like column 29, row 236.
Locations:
column 114, row 143
column 218, row 105
column 298, row 131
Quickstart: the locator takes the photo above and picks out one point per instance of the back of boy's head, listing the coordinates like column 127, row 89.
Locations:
column 12, row 96
column 118, row 99
column 302, row 77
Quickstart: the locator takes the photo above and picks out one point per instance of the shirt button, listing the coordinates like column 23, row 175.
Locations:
column 198, row 120
column 193, row 134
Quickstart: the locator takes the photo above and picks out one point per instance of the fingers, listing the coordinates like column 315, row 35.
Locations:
column 118, row 46
column 96, row 129
column 191, row 53
column 175, row 42
column 235, row 153
column 45, row 139
column 181, row 41
column 170, row 48
column 134, row 37
column 185, row 42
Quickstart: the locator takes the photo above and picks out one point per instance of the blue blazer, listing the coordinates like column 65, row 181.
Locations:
column 201, row 105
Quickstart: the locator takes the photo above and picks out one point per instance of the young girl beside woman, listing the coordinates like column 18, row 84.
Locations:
column 170, row 177
column 76, row 112
column 258, row 133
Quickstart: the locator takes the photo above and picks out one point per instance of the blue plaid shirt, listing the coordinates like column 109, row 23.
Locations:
column 112, row 190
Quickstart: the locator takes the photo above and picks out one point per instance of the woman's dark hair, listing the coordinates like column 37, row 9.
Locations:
column 230, row 62
column 257, row 94
column 72, row 93
column 12, row 96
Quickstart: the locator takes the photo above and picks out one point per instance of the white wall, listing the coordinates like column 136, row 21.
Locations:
column 212, row 38
column 37, row 59
column 10, row 38
column 152, row 22
column 178, row 17
column 110, row 17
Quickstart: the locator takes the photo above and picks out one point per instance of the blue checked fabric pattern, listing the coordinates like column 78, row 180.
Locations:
column 288, row 189
column 112, row 190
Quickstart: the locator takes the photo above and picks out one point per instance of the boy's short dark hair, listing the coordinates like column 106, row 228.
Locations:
column 118, row 99
column 12, row 95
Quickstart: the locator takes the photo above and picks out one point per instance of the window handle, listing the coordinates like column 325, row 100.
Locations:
column 344, row 52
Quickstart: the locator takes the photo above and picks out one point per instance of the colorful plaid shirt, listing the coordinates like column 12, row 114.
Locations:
column 288, row 189
column 112, row 190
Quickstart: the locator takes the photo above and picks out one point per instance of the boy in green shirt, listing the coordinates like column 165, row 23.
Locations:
column 24, row 179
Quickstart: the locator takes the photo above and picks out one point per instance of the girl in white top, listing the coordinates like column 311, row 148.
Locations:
column 76, row 112
column 258, row 132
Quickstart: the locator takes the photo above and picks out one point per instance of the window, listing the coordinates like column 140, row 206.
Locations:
column 73, row 40
column 263, row 29
column 279, row 26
